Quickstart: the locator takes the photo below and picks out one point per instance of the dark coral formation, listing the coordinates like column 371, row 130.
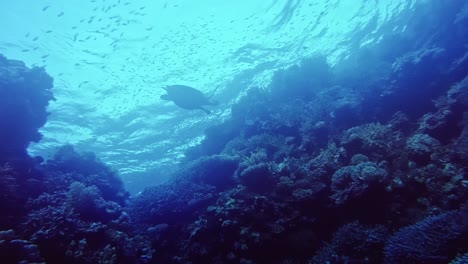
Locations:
column 432, row 240
column 328, row 165
column 67, row 210
column 371, row 190
column 320, row 163
column 354, row 242
column 334, row 168
column 79, row 217
column 25, row 95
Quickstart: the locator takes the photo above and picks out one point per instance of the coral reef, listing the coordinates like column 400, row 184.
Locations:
column 334, row 158
column 77, row 219
column 66, row 210
column 431, row 240
column 328, row 164
column 68, row 166
column 352, row 181
column 354, row 243
column 25, row 95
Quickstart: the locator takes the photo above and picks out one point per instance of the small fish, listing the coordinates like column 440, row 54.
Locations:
column 81, row 84
column 44, row 56
column 45, row 8
column 60, row 14
column 24, row 50
column 36, row 38
column 48, row 31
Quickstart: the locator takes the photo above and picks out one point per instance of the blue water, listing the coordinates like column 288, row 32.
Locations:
column 333, row 131
column 110, row 60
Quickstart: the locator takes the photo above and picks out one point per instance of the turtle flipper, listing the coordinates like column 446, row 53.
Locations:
column 206, row 110
column 213, row 92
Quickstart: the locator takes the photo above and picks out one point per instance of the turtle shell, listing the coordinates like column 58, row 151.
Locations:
column 186, row 97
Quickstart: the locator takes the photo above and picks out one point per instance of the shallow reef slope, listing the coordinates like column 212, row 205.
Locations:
column 339, row 164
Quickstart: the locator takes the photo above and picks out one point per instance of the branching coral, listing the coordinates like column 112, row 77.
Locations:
column 353, row 243
column 433, row 240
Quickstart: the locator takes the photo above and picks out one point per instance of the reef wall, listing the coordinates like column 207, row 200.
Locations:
column 339, row 164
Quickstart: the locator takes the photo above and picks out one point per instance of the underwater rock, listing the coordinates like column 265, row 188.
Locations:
column 24, row 96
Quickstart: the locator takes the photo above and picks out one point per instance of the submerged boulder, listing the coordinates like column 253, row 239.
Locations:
column 24, row 96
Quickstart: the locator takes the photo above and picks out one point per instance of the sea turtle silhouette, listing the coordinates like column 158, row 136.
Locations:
column 188, row 97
